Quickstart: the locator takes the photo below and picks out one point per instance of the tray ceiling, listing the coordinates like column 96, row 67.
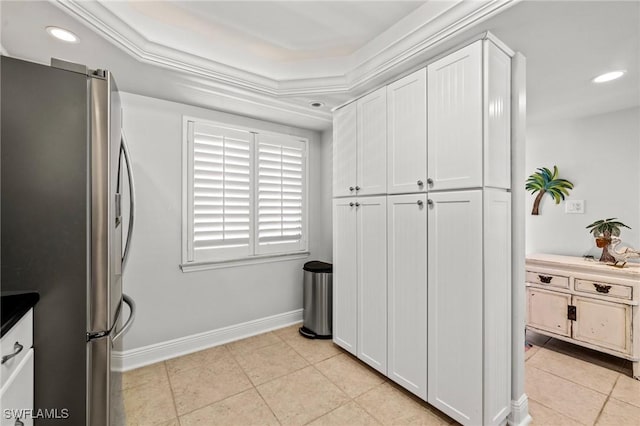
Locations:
column 164, row 59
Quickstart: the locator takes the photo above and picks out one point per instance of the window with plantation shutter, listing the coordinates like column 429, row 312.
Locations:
column 245, row 193
column 281, row 179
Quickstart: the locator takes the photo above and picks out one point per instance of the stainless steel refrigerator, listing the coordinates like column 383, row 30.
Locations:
column 65, row 169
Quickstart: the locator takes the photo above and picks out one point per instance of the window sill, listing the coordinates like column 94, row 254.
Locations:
column 253, row 260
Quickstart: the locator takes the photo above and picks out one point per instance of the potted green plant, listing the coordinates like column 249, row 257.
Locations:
column 544, row 181
column 602, row 230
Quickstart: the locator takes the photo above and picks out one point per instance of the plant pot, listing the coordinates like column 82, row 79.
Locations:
column 603, row 243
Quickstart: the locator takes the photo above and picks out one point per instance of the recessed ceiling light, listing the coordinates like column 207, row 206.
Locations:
column 613, row 75
column 62, row 34
column 316, row 104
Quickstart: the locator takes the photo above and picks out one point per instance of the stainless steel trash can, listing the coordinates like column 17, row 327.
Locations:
column 318, row 300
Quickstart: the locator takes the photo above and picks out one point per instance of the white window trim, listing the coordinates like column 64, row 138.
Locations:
column 265, row 256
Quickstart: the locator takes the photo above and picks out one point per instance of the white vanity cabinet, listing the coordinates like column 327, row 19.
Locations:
column 17, row 371
column 585, row 302
column 360, row 147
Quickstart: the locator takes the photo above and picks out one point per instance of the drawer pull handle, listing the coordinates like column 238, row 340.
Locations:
column 17, row 348
column 545, row 278
column 601, row 288
column 19, row 423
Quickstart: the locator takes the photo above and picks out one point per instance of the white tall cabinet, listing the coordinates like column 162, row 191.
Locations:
column 422, row 292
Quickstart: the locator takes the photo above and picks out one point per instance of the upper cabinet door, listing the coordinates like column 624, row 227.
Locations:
column 407, row 134
column 497, row 144
column 344, row 151
column 454, row 104
column 372, row 143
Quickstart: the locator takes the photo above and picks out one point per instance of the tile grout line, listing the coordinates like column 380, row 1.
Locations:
column 606, row 401
column 214, row 402
column 255, row 388
column 576, row 383
column 173, row 396
column 554, row 410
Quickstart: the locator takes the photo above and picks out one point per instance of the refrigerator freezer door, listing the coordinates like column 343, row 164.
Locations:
column 99, row 367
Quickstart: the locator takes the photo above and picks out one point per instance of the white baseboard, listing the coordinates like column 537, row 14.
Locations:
column 520, row 412
column 146, row 355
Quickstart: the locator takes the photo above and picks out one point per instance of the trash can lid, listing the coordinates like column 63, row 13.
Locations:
column 317, row 266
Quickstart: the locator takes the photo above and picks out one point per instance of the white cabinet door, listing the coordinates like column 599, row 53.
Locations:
column 372, row 144
column 372, row 281
column 455, row 295
column 497, row 144
column 17, row 393
column 344, row 274
column 407, row 134
column 407, row 283
column 547, row 311
column 603, row 323
column 344, row 151
column 454, row 99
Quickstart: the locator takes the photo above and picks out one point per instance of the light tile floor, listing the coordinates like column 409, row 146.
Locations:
column 281, row 378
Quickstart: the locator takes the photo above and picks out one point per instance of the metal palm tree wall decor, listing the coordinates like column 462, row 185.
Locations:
column 545, row 182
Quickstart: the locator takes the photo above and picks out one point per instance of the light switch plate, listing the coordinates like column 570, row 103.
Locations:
column 574, row 207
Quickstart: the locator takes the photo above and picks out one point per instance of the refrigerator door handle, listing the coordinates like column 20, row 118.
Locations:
column 132, row 314
column 124, row 149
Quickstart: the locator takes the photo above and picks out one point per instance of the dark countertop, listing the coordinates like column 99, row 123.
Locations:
column 14, row 306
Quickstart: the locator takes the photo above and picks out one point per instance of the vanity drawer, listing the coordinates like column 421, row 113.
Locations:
column 20, row 336
column 547, row 279
column 603, row 288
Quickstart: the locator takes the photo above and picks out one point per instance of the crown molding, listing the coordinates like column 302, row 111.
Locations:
column 410, row 40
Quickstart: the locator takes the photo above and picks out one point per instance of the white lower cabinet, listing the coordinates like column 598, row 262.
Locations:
column 17, row 394
column 17, row 373
column 469, row 305
column 360, row 278
column 407, row 291
column 344, row 274
column 371, row 248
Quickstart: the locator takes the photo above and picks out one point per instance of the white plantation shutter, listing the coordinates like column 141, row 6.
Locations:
column 245, row 193
column 281, row 163
column 221, row 194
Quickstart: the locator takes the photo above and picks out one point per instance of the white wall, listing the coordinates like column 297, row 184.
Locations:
column 327, row 193
column 172, row 304
column 601, row 156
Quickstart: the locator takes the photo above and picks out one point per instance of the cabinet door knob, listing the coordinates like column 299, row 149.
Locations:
column 357, row 188
column 430, row 181
column 357, row 204
column 351, row 188
column 430, row 202
column 17, row 348
column 351, row 204
column 420, row 203
column 420, row 183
